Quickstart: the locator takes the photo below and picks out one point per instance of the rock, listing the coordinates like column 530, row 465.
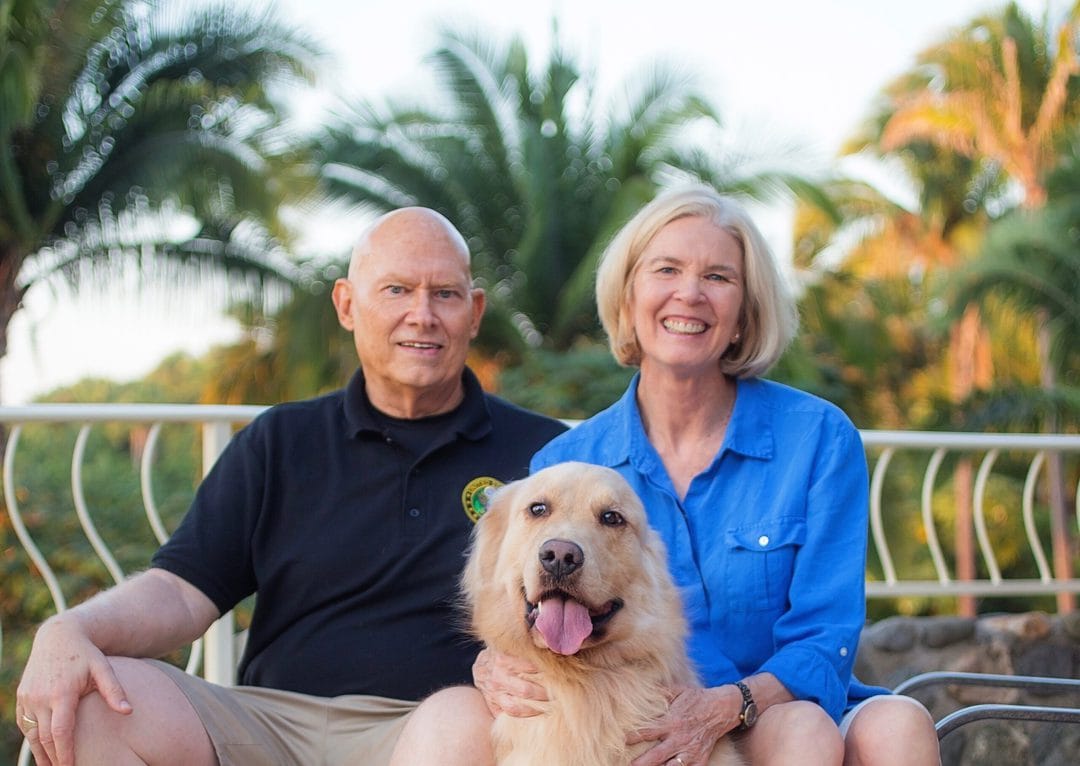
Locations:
column 1029, row 626
column 893, row 634
column 993, row 658
column 988, row 743
column 938, row 632
column 1035, row 644
column 1046, row 660
column 1070, row 623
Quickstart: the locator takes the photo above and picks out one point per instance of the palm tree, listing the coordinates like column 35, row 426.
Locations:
column 1030, row 260
column 536, row 173
column 132, row 130
column 989, row 106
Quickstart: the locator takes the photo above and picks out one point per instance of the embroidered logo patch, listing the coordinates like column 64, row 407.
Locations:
column 477, row 494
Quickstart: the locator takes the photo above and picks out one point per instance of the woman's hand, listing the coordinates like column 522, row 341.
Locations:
column 509, row 685
column 694, row 722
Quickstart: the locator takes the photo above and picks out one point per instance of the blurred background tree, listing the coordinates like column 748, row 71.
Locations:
column 147, row 133
column 978, row 124
column 536, row 173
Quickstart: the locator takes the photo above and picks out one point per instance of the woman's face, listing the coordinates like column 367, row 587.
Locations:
column 687, row 294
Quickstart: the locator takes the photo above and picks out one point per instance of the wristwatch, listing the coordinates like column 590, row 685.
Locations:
column 748, row 714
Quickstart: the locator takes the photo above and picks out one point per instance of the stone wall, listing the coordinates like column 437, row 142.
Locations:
column 1033, row 644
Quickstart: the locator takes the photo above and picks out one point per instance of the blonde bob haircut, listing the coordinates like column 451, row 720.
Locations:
column 769, row 319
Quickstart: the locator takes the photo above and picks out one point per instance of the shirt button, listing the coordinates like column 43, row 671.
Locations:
column 763, row 540
column 843, row 651
column 414, row 512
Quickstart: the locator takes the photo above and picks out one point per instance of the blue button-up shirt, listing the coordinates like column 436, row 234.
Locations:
column 769, row 544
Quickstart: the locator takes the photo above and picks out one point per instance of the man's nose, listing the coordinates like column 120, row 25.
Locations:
column 422, row 310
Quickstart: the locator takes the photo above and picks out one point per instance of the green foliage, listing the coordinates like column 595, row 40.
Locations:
column 535, row 171
column 43, row 466
column 134, row 134
column 570, row 384
column 297, row 352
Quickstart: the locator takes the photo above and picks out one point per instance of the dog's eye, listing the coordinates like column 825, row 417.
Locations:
column 538, row 509
column 611, row 518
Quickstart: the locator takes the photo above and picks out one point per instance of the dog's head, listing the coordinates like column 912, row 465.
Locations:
column 566, row 560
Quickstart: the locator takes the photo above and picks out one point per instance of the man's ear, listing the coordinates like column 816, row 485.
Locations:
column 479, row 299
column 342, row 296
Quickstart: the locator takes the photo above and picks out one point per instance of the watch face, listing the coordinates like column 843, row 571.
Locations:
column 750, row 715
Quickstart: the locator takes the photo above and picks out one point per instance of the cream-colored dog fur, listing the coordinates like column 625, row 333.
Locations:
column 571, row 538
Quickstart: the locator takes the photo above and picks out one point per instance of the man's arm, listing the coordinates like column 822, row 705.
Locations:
column 148, row 615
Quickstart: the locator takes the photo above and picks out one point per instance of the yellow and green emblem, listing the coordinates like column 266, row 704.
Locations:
column 477, row 494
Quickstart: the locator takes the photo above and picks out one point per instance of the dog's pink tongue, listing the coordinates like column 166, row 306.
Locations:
column 564, row 624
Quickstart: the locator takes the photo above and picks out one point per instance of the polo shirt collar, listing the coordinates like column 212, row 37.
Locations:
column 472, row 420
column 749, row 431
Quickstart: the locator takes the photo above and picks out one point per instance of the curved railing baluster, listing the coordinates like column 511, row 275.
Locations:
column 876, row 525
column 146, row 482
column 981, row 480
column 20, row 529
column 1029, row 517
column 83, row 511
column 928, row 514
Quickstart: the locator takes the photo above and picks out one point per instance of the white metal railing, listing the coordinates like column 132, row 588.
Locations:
column 217, row 422
column 990, row 447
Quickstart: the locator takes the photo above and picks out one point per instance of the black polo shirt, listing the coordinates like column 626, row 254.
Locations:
column 353, row 542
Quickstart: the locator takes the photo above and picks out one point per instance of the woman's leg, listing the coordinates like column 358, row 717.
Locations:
column 891, row 730
column 793, row 732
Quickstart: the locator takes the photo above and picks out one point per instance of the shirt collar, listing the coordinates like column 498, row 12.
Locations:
column 749, row 431
column 472, row 419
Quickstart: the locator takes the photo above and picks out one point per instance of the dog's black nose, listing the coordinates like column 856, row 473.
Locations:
column 561, row 557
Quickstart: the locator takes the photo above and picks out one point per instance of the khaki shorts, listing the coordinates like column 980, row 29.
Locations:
column 252, row 726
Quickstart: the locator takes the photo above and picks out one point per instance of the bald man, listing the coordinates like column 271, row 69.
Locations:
column 348, row 516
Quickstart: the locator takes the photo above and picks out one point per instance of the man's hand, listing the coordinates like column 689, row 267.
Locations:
column 509, row 685
column 64, row 666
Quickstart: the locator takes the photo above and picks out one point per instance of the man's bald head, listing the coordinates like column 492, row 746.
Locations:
column 411, row 306
column 418, row 224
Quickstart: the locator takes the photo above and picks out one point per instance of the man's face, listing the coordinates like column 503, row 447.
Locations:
column 411, row 307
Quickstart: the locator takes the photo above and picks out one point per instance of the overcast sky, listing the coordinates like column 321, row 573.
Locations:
column 780, row 71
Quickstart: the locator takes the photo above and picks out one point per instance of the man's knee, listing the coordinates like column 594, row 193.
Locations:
column 161, row 727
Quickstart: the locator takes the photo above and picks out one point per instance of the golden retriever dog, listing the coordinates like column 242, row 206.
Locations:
column 564, row 570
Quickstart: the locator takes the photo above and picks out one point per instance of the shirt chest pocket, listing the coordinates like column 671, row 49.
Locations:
column 759, row 563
